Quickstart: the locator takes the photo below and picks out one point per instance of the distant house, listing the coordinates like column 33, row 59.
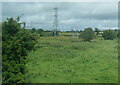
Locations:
column 100, row 34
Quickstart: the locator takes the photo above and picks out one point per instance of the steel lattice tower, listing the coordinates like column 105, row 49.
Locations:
column 55, row 23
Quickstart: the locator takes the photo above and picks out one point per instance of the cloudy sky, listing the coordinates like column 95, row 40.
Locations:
column 71, row 15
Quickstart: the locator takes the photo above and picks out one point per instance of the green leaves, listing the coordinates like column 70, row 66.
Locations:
column 88, row 34
column 17, row 41
column 109, row 34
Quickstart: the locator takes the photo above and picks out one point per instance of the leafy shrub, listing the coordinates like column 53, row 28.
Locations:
column 109, row 34
column 33, row 30
column 39, row 31
column 17, row 41
column 88, row 34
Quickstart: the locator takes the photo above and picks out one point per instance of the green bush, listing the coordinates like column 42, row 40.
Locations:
column 33, row 30
column 17, row 41
column 88, row 34
column 109, row 34
column 39, row 31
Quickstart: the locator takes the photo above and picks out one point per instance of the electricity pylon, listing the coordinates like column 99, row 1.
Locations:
column 55, row 23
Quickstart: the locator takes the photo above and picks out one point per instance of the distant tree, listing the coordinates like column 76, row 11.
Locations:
column 88, row 34
column 109, row 34
column 73, row 31
column 97, row 31
column 116, row 30
column 80, row 30
column 39, row 31
column 33, row 30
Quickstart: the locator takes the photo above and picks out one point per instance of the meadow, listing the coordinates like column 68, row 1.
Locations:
column 62, row 59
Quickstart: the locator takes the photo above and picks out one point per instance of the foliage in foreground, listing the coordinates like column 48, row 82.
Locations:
column 17, row 41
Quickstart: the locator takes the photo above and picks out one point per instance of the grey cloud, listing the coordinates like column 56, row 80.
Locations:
column 71, row 14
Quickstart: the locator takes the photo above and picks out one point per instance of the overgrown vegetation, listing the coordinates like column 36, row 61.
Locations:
column 88, row 34
column 16, row 43
column 60, row 59
column 109, row 34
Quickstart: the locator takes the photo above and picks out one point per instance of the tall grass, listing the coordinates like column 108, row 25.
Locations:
column 69, row 60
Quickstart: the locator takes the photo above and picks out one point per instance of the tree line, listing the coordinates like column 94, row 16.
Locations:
column 87, row 34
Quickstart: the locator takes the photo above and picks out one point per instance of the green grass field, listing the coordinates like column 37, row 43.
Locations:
column 69, row 60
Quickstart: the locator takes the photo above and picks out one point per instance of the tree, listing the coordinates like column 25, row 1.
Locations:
column 39, row 31
column 88, row 34
column 33, row 30
column 16, row 42
column 80, row 31
column 109, row 34
column 97, row 31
